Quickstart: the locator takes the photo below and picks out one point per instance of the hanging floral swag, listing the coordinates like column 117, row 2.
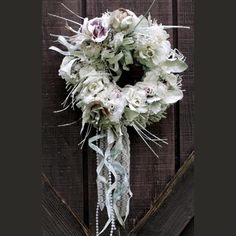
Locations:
column 100, row 50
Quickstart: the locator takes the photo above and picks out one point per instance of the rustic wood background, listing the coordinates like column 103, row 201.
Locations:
column 71, row 171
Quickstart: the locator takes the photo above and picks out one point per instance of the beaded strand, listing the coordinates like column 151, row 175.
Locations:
column 97, row 208
column 113, row 227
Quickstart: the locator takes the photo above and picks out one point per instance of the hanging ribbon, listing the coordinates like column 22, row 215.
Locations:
column 113, row 170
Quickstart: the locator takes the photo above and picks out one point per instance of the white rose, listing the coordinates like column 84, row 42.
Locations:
column 151, row 91
column 123, row 20
column 152, row 54
column 136, row 99
column 93, row 83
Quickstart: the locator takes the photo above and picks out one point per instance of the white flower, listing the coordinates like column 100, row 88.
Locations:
column 153, row 99
column 107, row 106
column 152, row 53
column 93, row 82
column 149, row 88
column 152, row 46
column 114, row 101
column 93, row 112
column 136, row 99
column 123, row 20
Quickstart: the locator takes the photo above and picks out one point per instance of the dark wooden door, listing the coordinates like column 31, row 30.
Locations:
column 69, row 178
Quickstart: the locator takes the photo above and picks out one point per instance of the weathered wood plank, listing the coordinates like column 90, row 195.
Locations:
column 148, row 175
column 186, row 106
column 57, row 217
column 174, row 208
column 189, row 229
column 61, row 157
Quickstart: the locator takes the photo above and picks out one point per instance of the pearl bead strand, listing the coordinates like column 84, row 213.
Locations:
column 97, row 208
column 113, row 227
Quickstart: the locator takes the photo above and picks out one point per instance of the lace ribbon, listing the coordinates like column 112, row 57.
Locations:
column 112, row 147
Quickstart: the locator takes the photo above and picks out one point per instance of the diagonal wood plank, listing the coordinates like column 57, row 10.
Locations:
column 57, row 217
column 189, row 229
column 174, row 209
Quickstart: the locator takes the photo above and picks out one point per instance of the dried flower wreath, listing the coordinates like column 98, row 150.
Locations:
column 100, row 50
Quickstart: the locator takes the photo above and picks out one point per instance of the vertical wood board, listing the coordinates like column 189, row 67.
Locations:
column 61, row 157
column 185, row 16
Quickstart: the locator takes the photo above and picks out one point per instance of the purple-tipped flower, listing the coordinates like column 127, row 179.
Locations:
column 98, row 28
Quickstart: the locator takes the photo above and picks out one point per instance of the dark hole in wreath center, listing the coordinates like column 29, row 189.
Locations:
column 132, row 76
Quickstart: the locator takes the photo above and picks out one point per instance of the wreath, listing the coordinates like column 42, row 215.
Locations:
column 97, row 55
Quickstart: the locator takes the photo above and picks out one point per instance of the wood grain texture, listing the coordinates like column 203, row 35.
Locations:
column 174, row 209
column 185, row 16
column 148, row 174
column 61, row 158
column 57, row 217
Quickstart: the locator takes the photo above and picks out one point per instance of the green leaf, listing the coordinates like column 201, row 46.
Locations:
column 130, row 115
